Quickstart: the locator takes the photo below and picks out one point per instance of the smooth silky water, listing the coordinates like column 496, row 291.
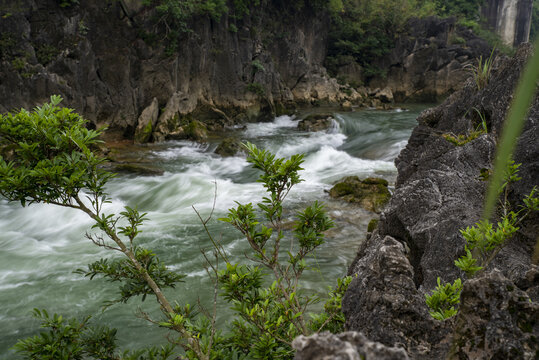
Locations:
column 42, row 245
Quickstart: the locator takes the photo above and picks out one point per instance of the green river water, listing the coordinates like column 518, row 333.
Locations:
column 41, row 245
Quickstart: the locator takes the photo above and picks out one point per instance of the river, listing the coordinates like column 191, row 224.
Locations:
column 41, row 245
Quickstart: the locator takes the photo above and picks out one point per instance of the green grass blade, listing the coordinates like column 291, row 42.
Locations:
column 512, row 128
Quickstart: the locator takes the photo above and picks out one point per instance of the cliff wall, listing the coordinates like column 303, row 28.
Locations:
column 511, row 19
column 108, row 61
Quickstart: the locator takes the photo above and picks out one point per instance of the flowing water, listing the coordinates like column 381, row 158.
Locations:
column 41, row 245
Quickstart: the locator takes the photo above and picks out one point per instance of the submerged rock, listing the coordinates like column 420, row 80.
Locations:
column 371, row 193
column 136, row 169
column 350, row 345
column 316, row 122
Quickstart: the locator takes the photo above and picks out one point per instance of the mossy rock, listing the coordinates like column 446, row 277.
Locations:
column 196, row 130
column 372, row 193
column 143, row 136
column 136, row 169
column 229, row 147
column 372, row 225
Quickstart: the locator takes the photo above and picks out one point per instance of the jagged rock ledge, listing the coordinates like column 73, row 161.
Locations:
column 439, row 190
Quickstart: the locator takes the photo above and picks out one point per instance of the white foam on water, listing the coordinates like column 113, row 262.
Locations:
column 181, row 149
column 328, row 164
column 394, row 150
column 270, row 128
column 308, row 144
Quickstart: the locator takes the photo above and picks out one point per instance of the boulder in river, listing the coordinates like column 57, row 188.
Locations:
column 371, row 193
column 316, row 122
column 229, row 147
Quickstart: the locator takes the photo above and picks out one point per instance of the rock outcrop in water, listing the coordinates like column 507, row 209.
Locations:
column 439, row 190
column 371, row 194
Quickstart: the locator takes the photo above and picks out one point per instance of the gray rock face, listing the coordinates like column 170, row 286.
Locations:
column 438, row 192
column 346, row 346
column 511, row 19
column 392, row 311
column 430, row 61
column 496, row 320
column 99, row 58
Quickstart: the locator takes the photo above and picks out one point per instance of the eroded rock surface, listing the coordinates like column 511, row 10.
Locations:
column 345, row 346
column 439, row 190
column 497, row 320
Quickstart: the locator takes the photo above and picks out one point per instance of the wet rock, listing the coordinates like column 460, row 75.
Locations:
column 316, row 122
column 229, row 147
column 196, row 130
column 496, row 320
column 345, row 346
column 146, row 122
column 371, row 193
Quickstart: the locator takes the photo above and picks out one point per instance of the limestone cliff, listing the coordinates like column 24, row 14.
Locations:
column 511, row 19
column 430, row 60
column 105, row 60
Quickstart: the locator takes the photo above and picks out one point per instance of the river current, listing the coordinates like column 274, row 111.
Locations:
column 41, row 245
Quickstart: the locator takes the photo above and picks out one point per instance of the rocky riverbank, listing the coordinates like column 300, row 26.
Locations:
column 440, row 190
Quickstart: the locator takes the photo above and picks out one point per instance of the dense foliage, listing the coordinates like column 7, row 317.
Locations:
column 48, row 155
column 365, row 30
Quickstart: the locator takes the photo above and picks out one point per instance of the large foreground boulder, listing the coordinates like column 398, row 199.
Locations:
column 497, row 320
column 439, row 190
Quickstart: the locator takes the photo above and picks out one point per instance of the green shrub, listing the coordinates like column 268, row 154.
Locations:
column 72, row 339
column 256, row 88
column 483, row 242
column 46, row 53
column 443, row 299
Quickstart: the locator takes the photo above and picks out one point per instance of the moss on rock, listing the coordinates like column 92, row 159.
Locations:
column 144, row 135
column 371, row 193
column 196, row 130
column 229, row 147
column 372, row 225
